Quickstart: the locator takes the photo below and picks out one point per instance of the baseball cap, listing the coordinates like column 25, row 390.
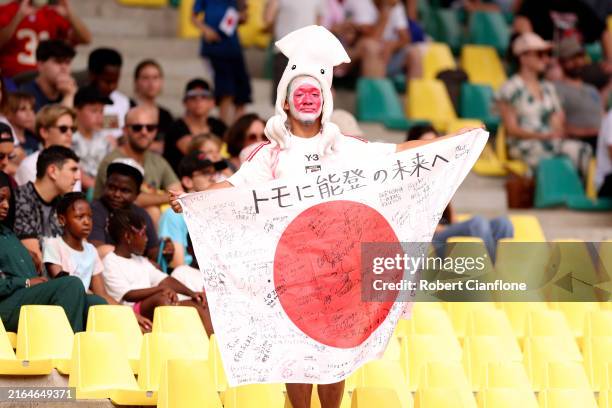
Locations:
column 529, row 42
column 128, row 167
column 197, row 87
column 6, row 133
column 90, row 95
column 195, row 161
column 569, row 47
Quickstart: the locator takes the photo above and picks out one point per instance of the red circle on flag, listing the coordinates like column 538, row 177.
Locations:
column 318, row 272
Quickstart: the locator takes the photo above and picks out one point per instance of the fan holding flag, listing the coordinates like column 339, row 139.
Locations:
column 299, row 275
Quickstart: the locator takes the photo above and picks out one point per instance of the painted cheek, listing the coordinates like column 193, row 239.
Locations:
column 307, row 98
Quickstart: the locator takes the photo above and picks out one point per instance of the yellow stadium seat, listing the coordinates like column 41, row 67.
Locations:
column 590, row 189
column 367, row 397
column 598, row 323
column 444, row 398
column 420, row 349
column 438, row 57
column 431, row 321
column 597, row 356
column 527, row 228
column 488, row 164
column 610, row 23
column 517, row 313
column 157, row 349
column 522, row 262
column 254, row 396
column 575, row 313
column 99, row 366
column 44, row 332
column 459, row 312
column 605, row 399
column 567, row 398
column 478, row 351
column 186, row 29
column 566, row 374
column 216, row 365
column 501, row 150
column 144, row 3
column 547, row 323
column 10, row 365
column 187, row 384
column 605, row 258
column 507, row 398
column 12, row 337
column 458, row 124
column 428, row 99
column 178, row 319
column 505, row 374
column 539, row 351
column 118, row 319
column 443, row 374
column 483, row 66
column 489, row 322
column 252, row 31
column 393, row 350
column 385, row 374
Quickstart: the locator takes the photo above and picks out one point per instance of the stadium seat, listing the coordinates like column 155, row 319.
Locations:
column 99, row 366
column 610, row 23
column 393, row 350
column 479, row 351
column 566, row 374
column 575, row 313
column 178, row 319
column 597, row 353
column 526, row 262
column 448, row 28
column 488, row 164
column 428, row 99
column 385, row 374
column 598, row 323
column 143, row 3
column 527, row 228
column 216, row 365
column 254, row 396
column 438, row 57
column 575, row 273
column 567, row 398
column 459, row 312
column 517, row 314
column 120, row 320
column 605, row 399
column 12, row 337
column 187, row 384
column 10, row 365
column 458, row 124
column 443, row 374
column 488, row 322
column 594, row 51
column 501, row 149
column 44, row 332
column 444, row 398
column 539, row 351
column 505, row 374
column 252, row 32
column 483, row 66
column 547, row 323
column 420, row 349
column 476, row 102
column 590, row 189
column 489, row 28
column 431, row 321
column 186, row 29
column 367, row 397
column 507, row 398
column 157, row 349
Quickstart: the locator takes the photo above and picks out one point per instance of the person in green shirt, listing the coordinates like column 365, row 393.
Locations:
column 19, row 282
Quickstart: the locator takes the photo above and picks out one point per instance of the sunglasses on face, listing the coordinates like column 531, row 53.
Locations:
column 251, row 137
column 540, row 54
column 137, row 127
column 65, row 128
column 10, row 156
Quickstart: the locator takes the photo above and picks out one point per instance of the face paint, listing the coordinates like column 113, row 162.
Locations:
column 305, row 99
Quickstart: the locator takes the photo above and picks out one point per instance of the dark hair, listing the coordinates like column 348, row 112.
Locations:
column 5, row 181
column 417, row 131
column 12, row 101
column 197, row 83
column 68, row 200
column 125, row 170
column 3, row 95
column 57, row 155
column 100, row 58
column 147, row 63
column 54, row 49
column 120, row 221
column 237, row 133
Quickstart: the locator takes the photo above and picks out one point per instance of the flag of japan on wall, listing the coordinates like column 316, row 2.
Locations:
column 282, row 260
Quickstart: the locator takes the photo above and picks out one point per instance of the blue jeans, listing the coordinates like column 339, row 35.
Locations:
column 490, row 231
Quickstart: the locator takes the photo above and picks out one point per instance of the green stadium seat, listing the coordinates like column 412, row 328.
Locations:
column 399, row 82
column 556, row 181
column 476, row 102
column 489, row 28
column 594, row 51
column 448, row 28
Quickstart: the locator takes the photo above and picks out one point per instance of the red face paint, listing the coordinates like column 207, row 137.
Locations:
column 307, row 99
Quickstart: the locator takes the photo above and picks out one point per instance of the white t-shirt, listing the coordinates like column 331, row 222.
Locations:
column 364, row 12
column 114, row 115
column 398, row 21
column 122, row 275
column 90, row 151
column 266, row 164
column 604, row 141
column 27, row 172
column 294, row 14
column 84, row 264
column 190, row 277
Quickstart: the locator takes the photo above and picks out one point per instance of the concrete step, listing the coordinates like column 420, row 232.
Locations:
column 149, row 46
column 112, row 9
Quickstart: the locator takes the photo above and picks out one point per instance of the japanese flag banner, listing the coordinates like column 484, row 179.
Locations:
column 282, row 261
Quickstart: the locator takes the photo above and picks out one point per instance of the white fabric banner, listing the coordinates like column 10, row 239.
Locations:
column 282, row 262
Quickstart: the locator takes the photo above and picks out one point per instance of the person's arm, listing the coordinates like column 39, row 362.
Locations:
column 175, row 194
column 522, row 25
column 54, row 269
column 151, row 199
column 81, row 34
column 411, row 144
column 97, row 287
column 182, row 144
column 208, row 33
column 576, row 131
column 6, row 32
column 178, row 287
column 606, row 45
column 137, row 295
column 33, row 247
column 270, row 14
column 513, row 129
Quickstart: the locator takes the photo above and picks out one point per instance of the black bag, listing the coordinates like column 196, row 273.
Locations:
column 453, row 79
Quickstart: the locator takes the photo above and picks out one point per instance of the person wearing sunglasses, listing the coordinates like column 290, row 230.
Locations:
column 140, row 131
column 531, row 111
column 54, row 127
column 243, row 136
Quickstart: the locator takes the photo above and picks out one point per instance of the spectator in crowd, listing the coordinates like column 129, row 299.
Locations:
column 581, row 102
column 57, row 171
column 20, row 283
column 124, row 177
column 20, row 114
column 197, row 172
column 53, row 84
column 7, row 147
column 211, row 146
column 54, row 126
column 88, row 142
column 148, row 85
column 3, row 101
column 603, row 174
column 283, row 17
column 140, row 130
column 220, row 44
column 23, row 26
column 198, row 101
column 491, row 231
column 247, row 131
column 131, row 279
column 104, row 68
column 531, row 111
